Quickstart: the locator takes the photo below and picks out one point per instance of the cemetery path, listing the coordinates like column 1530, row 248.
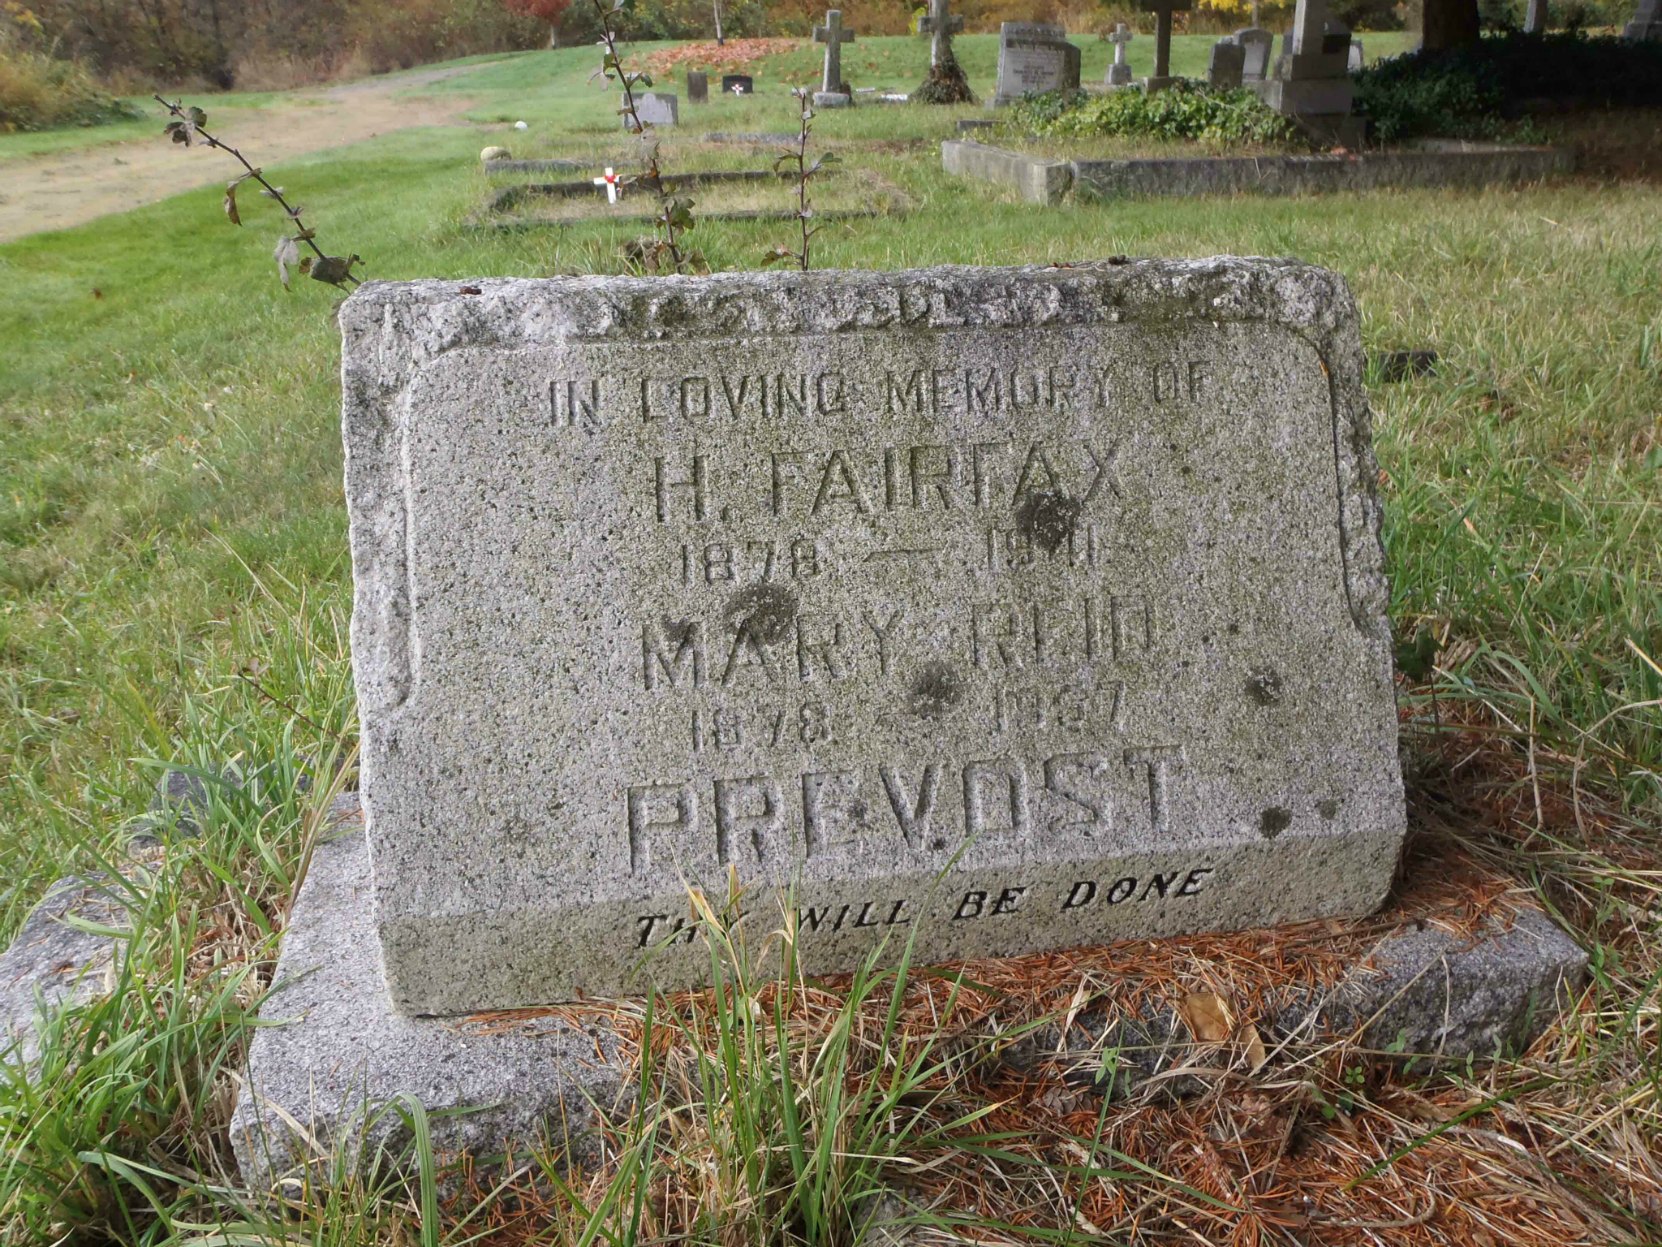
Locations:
column 61, row 189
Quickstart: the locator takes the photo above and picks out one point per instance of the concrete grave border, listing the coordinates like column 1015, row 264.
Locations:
column 508, row 198
column 1466, row 166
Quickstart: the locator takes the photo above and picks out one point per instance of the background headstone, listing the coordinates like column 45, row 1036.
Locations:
column 655, row 108
column 967, row 601
column 737, row 84
column 1257, row 43
column 1162, row 9
column 940, row 26
column 833, row 91
column 1311, row 83
column 1647, row 22
column 1119, row 71
column 1227, row 61
column 1356, row 58
column 1034, row 58
column 698, row 87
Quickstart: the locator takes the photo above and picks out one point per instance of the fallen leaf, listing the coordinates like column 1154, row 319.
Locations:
column 1207, row 1017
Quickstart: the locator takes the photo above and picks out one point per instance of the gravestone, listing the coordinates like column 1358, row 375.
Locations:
column 655, row 108
column 1162, row 9
column 1034, row 58
column 1311, row 81
column 1226, row 65
column 833, row 91
column 1119, row 72
column 940, row 26
column 698, row 87
column 737, row 84
column 1256, row 42
column 1646, row 23
column 1004, row 609
column 1356, row 58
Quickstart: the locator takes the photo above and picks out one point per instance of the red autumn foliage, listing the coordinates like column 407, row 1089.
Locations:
column 548, row 11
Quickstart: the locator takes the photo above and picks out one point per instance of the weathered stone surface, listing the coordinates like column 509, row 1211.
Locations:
column 52, row 965
column 1036, row 180
column 654, row 108
column 1421, row 992
column 1033, row 58
column 1429, row 992
column 1021, row 607
column 185, row 796
column 334, row 1054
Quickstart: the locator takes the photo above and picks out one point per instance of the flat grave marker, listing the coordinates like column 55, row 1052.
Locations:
column 1019, row 608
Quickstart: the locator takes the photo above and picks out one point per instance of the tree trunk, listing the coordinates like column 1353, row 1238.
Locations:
column 1450, row 24
column 553, row 34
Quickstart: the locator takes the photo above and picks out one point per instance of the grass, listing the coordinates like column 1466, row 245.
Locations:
column 174, row 586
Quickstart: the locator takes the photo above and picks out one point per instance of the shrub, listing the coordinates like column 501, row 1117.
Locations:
column 1470, row 92
column 1185, row 110
column 38, row 91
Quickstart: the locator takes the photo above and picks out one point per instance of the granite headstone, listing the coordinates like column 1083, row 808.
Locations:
column 1016, row 608
column 1225, row 67
column 655, row 108
column 1034, row 58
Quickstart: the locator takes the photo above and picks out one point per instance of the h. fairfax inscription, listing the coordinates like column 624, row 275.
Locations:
column 1047, row 613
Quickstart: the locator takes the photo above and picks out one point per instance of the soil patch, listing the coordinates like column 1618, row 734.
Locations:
column 62, row 189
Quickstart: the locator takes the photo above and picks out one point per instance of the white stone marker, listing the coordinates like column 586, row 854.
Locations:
column 1016, row 608
column 1119, row 71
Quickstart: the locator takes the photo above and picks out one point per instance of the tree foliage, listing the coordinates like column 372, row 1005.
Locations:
column 257, row 42
column 550, row 11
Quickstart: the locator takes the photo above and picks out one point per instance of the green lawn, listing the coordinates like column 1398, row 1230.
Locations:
column 174, row 582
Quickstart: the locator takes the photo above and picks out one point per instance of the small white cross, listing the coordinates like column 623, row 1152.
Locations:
column 610, row 183
column 738, row 88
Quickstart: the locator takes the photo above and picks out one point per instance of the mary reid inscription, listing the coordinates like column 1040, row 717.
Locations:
column 1016, row 608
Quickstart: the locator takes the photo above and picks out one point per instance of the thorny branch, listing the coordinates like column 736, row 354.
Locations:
column 804, row 174
column 674, row 214
column 187, row 127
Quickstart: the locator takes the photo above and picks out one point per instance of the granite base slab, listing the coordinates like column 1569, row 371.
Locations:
column 333, row 1053
column 53, row 964
column 1424, row 994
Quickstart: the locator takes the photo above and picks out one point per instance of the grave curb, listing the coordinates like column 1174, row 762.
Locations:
column 1036, row 181
column 1466, row 166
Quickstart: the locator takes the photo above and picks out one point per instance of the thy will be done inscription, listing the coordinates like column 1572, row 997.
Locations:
column 969, row 606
